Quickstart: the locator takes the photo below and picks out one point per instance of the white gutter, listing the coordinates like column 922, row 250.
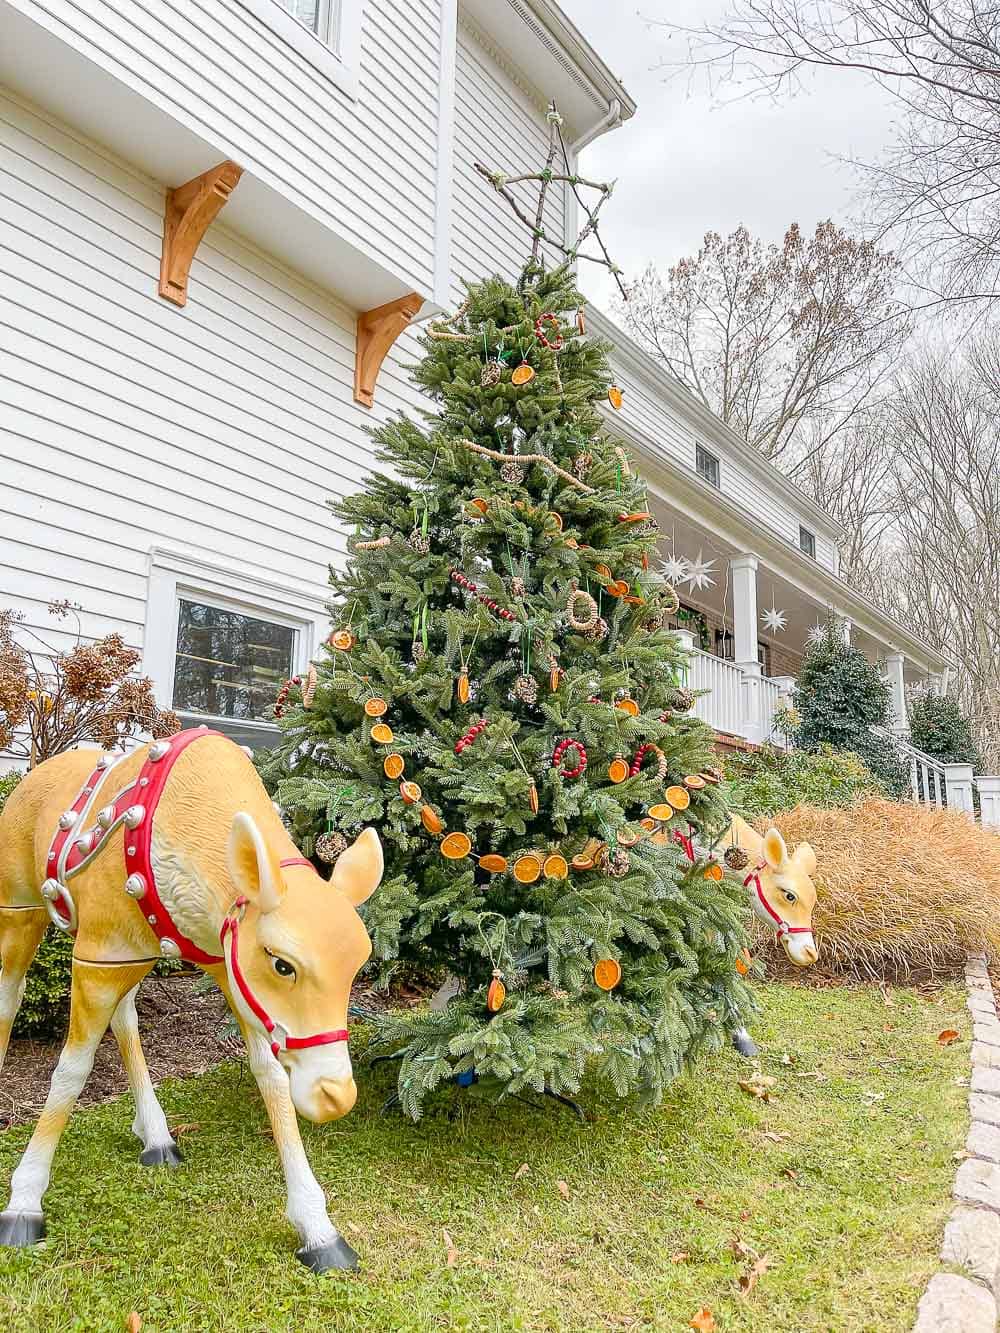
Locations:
column 611, row 121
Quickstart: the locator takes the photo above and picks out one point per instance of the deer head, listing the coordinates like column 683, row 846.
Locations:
column 783, row 895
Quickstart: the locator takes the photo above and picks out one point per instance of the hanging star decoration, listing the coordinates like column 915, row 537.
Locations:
column 774, row 620
column 816, row 634
column 545, row 179
column 675, row 569
column 699, row 573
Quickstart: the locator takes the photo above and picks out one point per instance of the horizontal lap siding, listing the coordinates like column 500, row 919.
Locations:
column 218, row 431
column 497, row 124
column 366, row 168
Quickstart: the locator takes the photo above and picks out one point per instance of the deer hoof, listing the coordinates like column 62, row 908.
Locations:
column 17, row 1229
column 335, row 1254
column 744, row 1043
column 167, row 1155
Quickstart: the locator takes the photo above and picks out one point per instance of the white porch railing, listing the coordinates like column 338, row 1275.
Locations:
column 723, row 707
column 928, row 776
column 770, row 700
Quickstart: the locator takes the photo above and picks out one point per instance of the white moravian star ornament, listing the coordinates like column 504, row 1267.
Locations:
column 774, row 620
column 675, row 569
column 816, row 634
column 699, row 573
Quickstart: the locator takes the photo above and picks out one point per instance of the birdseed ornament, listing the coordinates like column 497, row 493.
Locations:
column 590, row 613
column 736, row 858
column 598, row 631
column 512, row 472
column 525, row 689
column 419, row 541
column 616, row 863
column 329, row 846
column 491, row 373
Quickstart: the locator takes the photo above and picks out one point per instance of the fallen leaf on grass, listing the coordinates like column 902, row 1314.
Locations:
column 790, row 1173
column 703, row 1321
column 451, row 1251
column 681, row 1257
column 133, row 1324
column 745, row 1215
column 948, row 1037
column 774, row 1135
column 179, row 1131
column 563, row 1188
column 816, row 1074
column 759, row 1086
column 741, row 1250
column 787, row 1059
column 749, row 1279
column 522, row 1170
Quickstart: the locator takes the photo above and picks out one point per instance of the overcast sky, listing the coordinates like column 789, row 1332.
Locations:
column 687, row 164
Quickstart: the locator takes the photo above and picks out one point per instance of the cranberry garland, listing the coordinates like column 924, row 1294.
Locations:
column 555, row 343
column 640, row 755
column 469, row 738
column 557, row 757
column 458, row 577
column 279, row 703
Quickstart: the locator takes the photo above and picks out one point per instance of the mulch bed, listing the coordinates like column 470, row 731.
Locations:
column 184, row 1031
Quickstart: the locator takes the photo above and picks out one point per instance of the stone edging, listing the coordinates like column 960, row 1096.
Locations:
column 968, row 1304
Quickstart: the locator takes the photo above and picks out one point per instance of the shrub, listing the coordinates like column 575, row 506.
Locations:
column 842, row 698
column 766, row 781
column 903, row 890
column 938, row 728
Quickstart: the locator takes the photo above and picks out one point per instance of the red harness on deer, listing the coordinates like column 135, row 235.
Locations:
column 75, row 845
column 781, row 925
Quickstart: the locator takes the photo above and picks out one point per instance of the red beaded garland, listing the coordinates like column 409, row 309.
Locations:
column 458, row 577
column 556, row 342
column 475, row 730
column 557, row 756
column 640, row 754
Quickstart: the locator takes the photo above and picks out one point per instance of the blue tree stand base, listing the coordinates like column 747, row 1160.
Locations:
column 19, row 1229
column 744, row 1043
column 168, row 1155
column 323, row 1258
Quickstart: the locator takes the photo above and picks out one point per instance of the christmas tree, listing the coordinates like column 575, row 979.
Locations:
column 500, row 699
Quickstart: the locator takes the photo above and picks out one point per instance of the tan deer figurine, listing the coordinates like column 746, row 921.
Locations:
column 176, row 851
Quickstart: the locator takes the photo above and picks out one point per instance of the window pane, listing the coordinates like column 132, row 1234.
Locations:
column 807, row 542
column 228, row 664
column 706, row 465
column 306, row 11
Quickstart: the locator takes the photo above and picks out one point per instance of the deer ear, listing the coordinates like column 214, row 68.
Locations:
column 358, row 871
column 774, row 849
column 255, row 869
column 805, row 858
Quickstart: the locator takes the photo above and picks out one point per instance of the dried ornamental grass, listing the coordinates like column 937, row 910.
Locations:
column 901, row 889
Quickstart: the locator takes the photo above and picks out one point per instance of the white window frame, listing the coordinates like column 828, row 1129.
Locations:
column 700, row 449
column 335, row 51
column 173, row 577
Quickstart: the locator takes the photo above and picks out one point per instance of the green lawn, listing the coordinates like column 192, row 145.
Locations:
column 842, row 1180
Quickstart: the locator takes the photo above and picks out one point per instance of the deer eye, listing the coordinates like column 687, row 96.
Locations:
column 282, row 968
column 789, row 896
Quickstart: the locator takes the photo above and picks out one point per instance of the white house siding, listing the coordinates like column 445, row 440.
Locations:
column 216, row 431
column 366, row 168
column 504, row 127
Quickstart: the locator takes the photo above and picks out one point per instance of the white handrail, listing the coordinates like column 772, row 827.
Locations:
column 722, row 708
column 928, row 777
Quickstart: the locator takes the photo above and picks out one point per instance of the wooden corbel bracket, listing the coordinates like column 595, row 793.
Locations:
column 377, row 330
column 190, row 211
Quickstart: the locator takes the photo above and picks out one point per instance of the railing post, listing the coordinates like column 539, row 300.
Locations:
column 897, row 684
column 989, row 801
column 958, row 785
column 686, row 639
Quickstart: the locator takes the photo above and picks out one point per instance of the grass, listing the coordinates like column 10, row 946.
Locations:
column 842, row 1180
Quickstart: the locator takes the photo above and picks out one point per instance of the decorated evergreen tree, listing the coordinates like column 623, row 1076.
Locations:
column 500, row 699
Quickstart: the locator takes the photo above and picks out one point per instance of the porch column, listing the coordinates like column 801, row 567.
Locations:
column 894, row 674
column 743, row 569
column 846, row 625
column 989, row 801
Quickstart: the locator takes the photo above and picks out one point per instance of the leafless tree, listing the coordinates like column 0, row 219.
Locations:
column 781, row 341
column 938, row 186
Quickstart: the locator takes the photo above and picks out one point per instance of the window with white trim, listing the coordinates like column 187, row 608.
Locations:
column 706, row 465
column 220, row 643
column 807, row 542
column 326, row 33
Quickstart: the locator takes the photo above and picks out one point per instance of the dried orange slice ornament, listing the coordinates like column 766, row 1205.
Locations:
column 455, row 846
column 661, row 812
column 618, row 769
column 555, row 867
column 627, row 837
column 492, row 863
column 463, row 688
column 628, row 706
column 678, row 797
column 694, row 781
column 342, row 639
column 527, row 868
column 533, row 798
column 393, row 765
column 523, row 374
column 743, row 962
column 607, row 973
column 714, row 872
column 496, row 994
column 555, row 675
column 382, row 733
column 479, row 504
column 615, row 396
column 410, row 792
column 376, row 707
column 556, row 520
column 431, row 820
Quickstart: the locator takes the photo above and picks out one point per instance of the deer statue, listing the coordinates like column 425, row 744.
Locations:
column 175, row 850
column 782, row 893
